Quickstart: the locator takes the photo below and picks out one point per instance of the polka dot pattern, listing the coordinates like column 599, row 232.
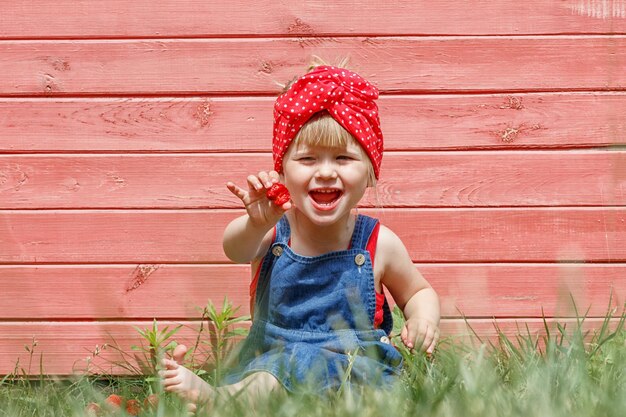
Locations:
column 347, row 97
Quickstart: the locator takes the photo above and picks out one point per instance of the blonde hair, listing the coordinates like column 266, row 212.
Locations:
column 322, row 130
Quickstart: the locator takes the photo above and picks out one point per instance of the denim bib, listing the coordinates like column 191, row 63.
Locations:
column 314, row 318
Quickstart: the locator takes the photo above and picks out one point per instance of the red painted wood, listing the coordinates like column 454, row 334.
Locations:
column 395, row 64
column 430, row 235
column 222, row 124
column 120, row 18
column 66, row 346
column 440, row 179
column 180, row 291
column 120, row 291
column 183, row 86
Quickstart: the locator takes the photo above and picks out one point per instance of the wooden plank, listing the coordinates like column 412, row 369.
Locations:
column 67, row 347
column 431, row 235
column 527, row 290
column 64, row 292
column 395, row 64
column 224, row 124
column 472, row 179
column 176, row 18
column 120, row 291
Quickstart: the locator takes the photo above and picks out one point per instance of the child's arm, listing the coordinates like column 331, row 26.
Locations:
column 411, row 292
column 244, row 237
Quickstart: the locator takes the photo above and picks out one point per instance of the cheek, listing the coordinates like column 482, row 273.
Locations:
column 291, row 179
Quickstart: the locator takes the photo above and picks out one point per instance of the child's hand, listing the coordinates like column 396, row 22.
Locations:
column 259, row 207
column 420, row 334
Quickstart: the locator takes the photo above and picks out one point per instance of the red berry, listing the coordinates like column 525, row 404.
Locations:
column 132, row 407
column 151, row 401
column 282, row 198
column 93, row 410
column 275, row 190
column 114, row 400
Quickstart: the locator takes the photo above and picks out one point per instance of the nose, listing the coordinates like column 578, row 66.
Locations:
column 326, row 170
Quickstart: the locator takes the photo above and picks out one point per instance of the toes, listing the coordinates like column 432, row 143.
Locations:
column 179, row 354
column 169, row 364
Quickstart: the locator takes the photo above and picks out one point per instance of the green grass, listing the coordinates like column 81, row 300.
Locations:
column 568, row 373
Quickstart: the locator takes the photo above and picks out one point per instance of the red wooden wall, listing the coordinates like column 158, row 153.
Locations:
column 121, row 121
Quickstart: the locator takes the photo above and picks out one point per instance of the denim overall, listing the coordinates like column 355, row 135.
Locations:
column 313, row 326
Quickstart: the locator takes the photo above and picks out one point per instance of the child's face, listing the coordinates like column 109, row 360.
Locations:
column 325, row 183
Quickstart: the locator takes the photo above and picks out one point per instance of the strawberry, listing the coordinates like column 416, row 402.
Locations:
column 275, row 190
column 114, row 401
column 132, row 407
column 93, row 410
column 278, row 193
column 282, row 199
column 151, row 402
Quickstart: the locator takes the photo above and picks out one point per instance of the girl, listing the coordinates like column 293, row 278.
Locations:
column 320, row 314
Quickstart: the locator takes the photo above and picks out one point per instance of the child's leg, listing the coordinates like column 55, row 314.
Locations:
column 178, row 379
column 255, row 385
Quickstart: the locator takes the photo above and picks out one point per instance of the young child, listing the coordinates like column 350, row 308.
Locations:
column 319, row 311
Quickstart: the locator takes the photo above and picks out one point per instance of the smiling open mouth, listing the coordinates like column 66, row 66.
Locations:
column 325, row 197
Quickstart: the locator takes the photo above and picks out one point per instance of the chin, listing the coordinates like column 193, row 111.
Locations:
column 324, row 216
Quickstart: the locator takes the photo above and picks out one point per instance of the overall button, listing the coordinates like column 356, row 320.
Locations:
column 277, row 250
column 359, row 259
column 385, row 340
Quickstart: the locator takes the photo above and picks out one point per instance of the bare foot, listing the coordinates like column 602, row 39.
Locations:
column 179, row 354
column 182, row 381
column 193, row 389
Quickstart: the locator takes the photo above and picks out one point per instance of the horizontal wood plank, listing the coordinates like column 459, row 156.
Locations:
column 395, row 64
column 244, row 124
column 55, row 292
column 439, row 179
column 430, row 235
column 176, row 18
column 65, row 348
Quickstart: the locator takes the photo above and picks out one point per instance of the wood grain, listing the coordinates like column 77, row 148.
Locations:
column 110, row 292
column 65, row 348
column 179, row 18
column 435, row 179
column 244, row 124
column 394, row 64
column 120, row 121
column 430, row 235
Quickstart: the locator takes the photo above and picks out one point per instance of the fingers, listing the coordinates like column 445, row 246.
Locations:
column 257, row 183
column 267, row 178
column 431, row 348
column 261, row 207
column 420, row 334
column 429, row 341
column 238, row 191
column 254, row 183
column 404, row 335
column 262, row 180
column 274, row 176
column 288, row 205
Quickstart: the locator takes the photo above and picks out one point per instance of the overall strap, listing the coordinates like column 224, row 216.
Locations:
column 283, row 231
column 363, row 229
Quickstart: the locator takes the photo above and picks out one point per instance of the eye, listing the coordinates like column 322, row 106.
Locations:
column 345, row 157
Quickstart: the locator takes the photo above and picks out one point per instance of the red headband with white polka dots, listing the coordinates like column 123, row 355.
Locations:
column 347, row 97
